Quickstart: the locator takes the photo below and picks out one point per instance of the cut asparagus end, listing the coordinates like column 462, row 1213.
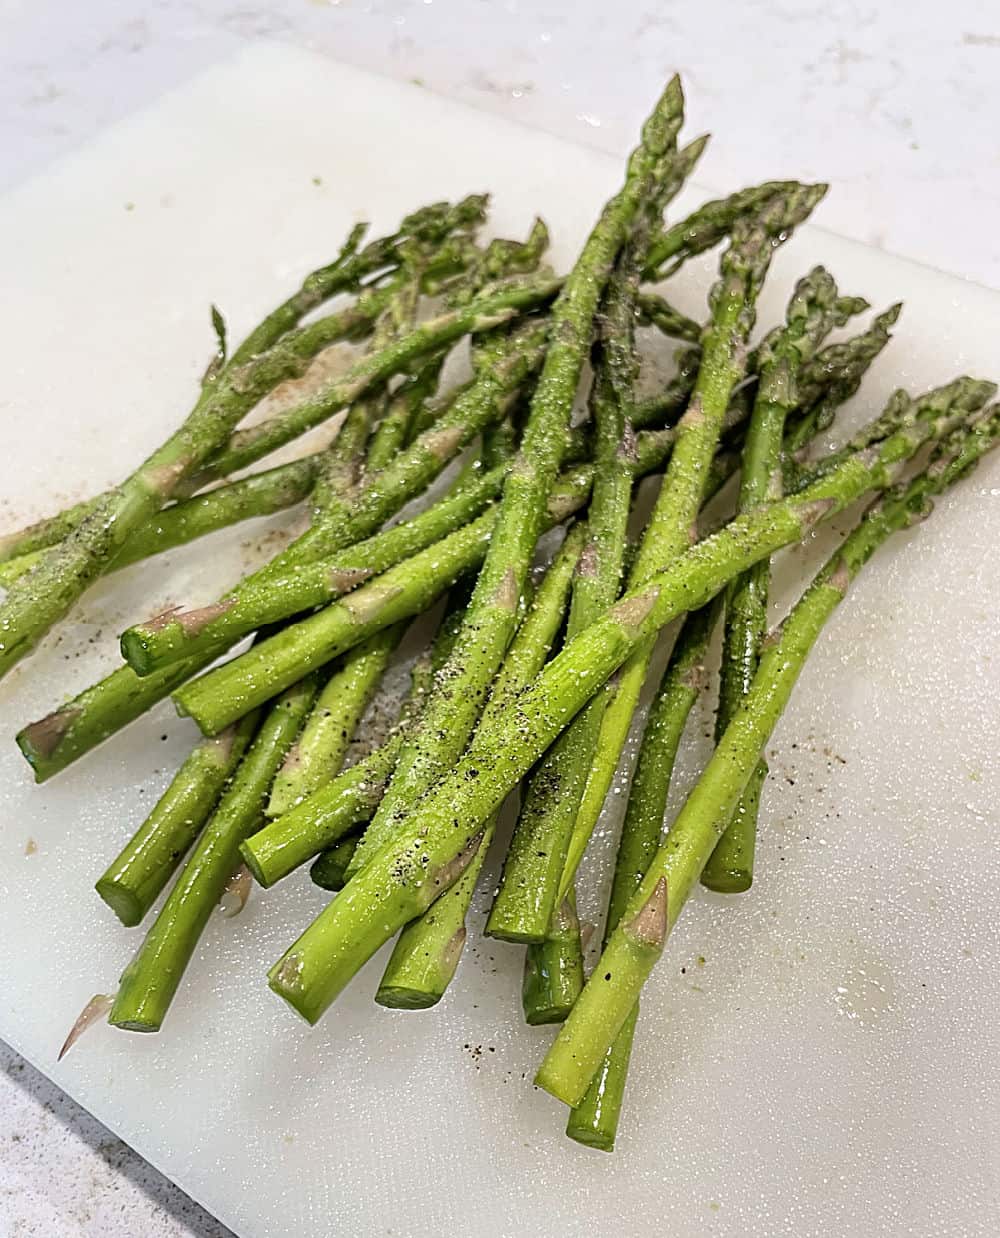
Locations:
column 123, row 902
column 252, row 861
column 395, row 997
column 728, row 880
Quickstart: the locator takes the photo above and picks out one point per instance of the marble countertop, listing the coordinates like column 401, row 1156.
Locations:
column 894, row 105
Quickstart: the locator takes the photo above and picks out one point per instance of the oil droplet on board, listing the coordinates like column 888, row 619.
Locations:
column 864, row 995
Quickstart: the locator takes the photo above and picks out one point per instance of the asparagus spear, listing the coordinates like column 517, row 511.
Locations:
column 349, row 799
column 134, row 879
column 321, row 820
column 813, row 312
column 553, row 969
column 669, row 403
column 428, row 950
column 428, row 224
column 528, row 894
column 708, row 225
column 595, row 1120
column 329, row 869
column 500, row 259
column 504, row 365
column 831, row 377
column 319, row 751
column 525, row 904
column 443, row 830
column 151, row 979
column 453, row 711
column 656, row 312
column 261, row 494
column 653, row 908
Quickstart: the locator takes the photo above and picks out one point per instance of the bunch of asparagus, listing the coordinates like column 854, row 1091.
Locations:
column 531, row 681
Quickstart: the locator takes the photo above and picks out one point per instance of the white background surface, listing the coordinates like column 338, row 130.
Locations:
column 898, row 112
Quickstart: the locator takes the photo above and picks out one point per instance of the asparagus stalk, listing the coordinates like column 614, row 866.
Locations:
column 500, row 259
column 494, row 308
column 329, row 869
column 651, row 911
column 320, row 821
column 708, row 225
column 669, row 403
column 151, row 980
column 537, row 858
column 71, row 731
column 135, row 878
column 350, row 798
column 319, row 751
column 98, row 712
column 830, row 378
column 505, row 364
column 443, row 830
column 553, row 969
column 453, row 711
column 525, row 904
column 841, row 367
column 428, row 950
column 300, row 587
column 429, row 224
column 813, row 312
column 595, row 1120
column 654, row 311
column 262, row 494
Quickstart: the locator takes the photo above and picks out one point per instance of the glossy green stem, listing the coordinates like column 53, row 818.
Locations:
column 673, row 522
column 150, row 981
column 595, row 1120
column 404, row 590
column 261, row 494
column 35, row 601
column 352, row 265
column 350, row 798
column 707, row 226
column 319, row 751
column 553, row 970
column 134, row 879
column 491, row 619
column 54, row 742
column 526, row 903
column 345, row 802
column 813, row 312
column 329, row 870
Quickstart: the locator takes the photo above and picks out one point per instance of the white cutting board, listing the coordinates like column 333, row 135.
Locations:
column 830, row 1067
